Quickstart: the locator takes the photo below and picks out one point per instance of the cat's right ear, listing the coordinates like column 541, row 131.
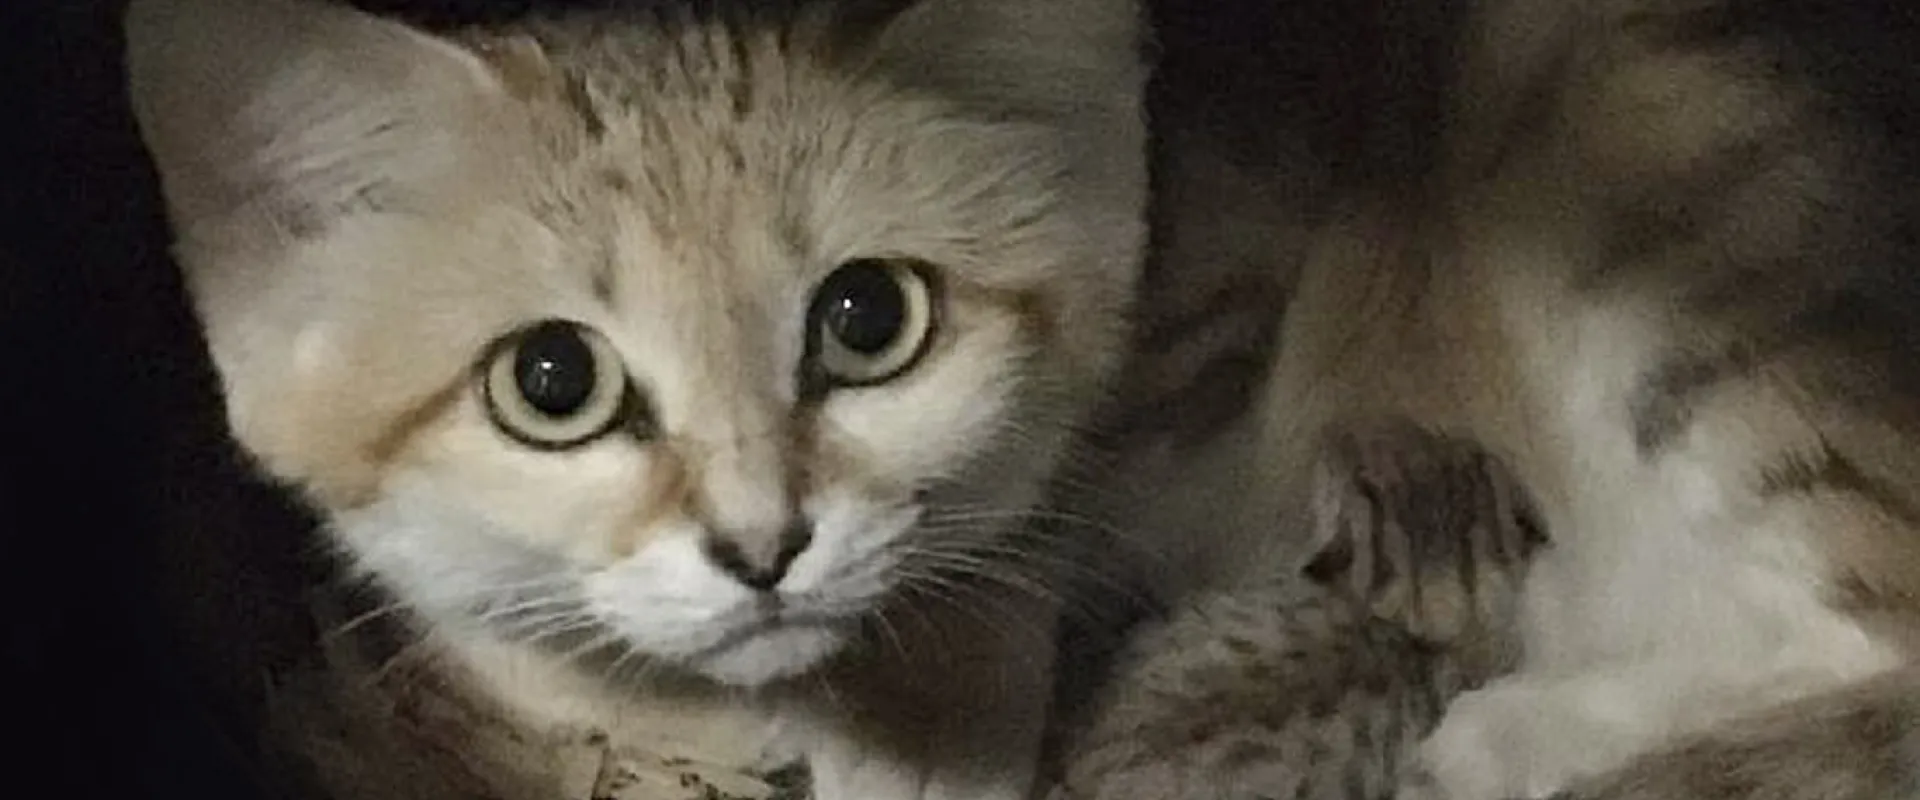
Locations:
column 273, row 124
column 1051, row 58
column 289, row 106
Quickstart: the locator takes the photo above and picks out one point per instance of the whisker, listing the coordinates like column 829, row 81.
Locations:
column 826, row 690
column 628, row 655
column 406, row 652
column 1047, row 561
column 956, row 596
column 525, row 607
column 534, row 625
column 1086, row 600
column 1019, row 617
column 585, row 648
column 487, row 593
column 889, row 634
column 974, row 566
column 361, row 620
column 944, row 520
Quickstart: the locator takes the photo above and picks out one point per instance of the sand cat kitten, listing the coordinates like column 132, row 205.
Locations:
column 697, row 351
column 1317, row 684
column 1659, row 255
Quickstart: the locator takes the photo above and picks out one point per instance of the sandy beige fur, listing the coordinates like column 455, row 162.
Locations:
column 1656, row 254
column 363, row 210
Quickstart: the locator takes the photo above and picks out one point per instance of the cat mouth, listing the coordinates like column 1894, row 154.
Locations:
column 771, row 616
column 772, row 642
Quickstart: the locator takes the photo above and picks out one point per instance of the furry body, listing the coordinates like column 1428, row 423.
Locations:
column 1318, row 685
column 1658, row 256
column 1654, row 254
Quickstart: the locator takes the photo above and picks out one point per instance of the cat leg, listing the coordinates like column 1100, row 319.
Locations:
column 1530, row 737
column 1857, row 744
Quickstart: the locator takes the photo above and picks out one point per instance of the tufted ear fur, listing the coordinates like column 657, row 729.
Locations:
column 270, row 122
column 1061, row 57
column 289, row 105
column 1078, row 67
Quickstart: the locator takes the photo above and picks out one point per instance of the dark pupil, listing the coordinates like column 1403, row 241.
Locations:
column 554, row 369
column 864, row 307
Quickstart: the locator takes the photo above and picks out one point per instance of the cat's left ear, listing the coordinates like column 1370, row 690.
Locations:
column 1043, row 58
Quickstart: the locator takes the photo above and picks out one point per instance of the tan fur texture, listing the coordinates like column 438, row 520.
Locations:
column 1859, row 743
column 360, row 719
column 1317, row 685
column 1658, row 255
column 363, row 210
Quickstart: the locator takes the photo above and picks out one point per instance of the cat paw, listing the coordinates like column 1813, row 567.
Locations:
column 1513, row 741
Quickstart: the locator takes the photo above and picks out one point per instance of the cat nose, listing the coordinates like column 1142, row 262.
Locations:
column 759, row 561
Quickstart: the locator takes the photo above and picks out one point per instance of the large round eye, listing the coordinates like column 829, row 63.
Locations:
column 554, row 384
column 871, row 320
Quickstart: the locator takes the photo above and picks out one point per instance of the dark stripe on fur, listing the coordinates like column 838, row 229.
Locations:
column 1192, row 413
column 1857, row 744
column 1534, row 118
column 1235, row 296
column 1661, row 407
column 1827, row 469
column 1646, row 222
column 580, row 99
column 1816, row 326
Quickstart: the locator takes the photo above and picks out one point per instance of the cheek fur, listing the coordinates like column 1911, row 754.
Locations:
column 937, row 418
column 853, row 554
column 446, row 561
column 593, row 505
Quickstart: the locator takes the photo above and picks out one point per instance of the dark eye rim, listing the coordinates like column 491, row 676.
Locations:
column 817, row 380
column 631, row 413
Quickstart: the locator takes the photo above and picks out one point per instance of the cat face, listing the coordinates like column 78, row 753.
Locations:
column 689, row 337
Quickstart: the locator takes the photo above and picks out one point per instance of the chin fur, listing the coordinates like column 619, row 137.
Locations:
column 774, row 655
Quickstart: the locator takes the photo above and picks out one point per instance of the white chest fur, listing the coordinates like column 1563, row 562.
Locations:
column 1673, row 599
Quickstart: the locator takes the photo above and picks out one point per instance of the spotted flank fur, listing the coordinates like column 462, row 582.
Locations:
column 1316, row 684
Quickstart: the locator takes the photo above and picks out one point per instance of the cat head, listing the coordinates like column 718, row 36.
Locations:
column 699, row 331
